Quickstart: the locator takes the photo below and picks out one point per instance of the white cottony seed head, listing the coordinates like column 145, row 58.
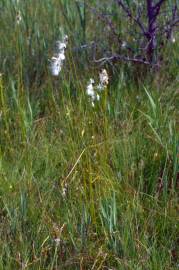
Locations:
column 59, row 57
column 94, row 91
column 55, row 66
column 173, row 40
column 124, row 44
column 104, row 80
column 103, row 77
column 90, row 89
column 62, row 44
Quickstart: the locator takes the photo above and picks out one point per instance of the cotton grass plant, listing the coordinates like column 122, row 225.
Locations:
column 93, row 91
column 59, row 56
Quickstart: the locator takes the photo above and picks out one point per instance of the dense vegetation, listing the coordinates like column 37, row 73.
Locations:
column 82, row 185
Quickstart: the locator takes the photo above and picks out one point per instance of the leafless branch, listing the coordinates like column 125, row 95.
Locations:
column 117, row 57
column 130, row 15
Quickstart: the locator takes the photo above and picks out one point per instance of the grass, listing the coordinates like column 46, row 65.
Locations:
column 82, row 187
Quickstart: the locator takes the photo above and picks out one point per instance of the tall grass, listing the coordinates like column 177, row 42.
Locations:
column 81, row 187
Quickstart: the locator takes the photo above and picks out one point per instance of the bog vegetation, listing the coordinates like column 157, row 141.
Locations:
column 89, row 137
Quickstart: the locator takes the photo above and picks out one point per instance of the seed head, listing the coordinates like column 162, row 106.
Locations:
column 90, row 89
column 103, row 77
column 57, row 60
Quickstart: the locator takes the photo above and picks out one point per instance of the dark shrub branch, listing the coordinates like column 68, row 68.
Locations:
column 154, row 22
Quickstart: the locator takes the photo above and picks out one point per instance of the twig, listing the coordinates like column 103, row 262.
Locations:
column 124, row 58
column 129, row 14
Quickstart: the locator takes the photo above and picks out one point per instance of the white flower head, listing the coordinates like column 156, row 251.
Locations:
column 103, row 77
column 59, row 56
column 103, row 80
column 97, row 97
column 124, row 44
column 173, row 39
column 90, row 89
column 93, row 90
column 64, row 191
column 56, row 65
column 61, row 45
column 92, row 81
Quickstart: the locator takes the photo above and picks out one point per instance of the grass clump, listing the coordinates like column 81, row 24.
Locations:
column 82, row 186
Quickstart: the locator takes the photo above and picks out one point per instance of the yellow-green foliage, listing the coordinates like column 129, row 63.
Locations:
column 82, row 187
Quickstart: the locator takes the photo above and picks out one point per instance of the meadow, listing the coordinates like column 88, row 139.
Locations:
column 82, row 185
